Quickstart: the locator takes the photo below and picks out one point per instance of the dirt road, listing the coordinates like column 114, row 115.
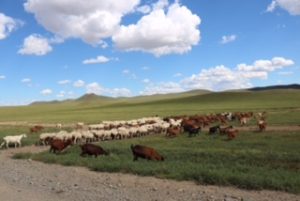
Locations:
column 26, row 180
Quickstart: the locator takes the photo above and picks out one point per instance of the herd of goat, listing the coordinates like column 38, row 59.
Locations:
column 111, row 130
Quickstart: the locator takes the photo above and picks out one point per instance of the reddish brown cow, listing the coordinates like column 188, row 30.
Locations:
column 262, row 125
column 145, row 152
column 92, row 149
column 58, row 145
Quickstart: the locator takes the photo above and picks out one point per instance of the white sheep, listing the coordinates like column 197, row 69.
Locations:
column 16, row 139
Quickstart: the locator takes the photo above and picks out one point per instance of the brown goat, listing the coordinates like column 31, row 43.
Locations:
column 92, row 149
column 173, row 131
column 58, row 145
column 145, row 152
column 231, row 133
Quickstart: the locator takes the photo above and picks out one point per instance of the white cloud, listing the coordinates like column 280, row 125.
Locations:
column 266, row 65
column 160, row 32
column 292, row 6
column 8, row 25
column 26, row 80
column 228, row 39
column 119, row 92
column 46, row 92
column 99, row 90
column 2, row 77
column 35, row 45
column 145, row 68
column 217, row 78
column 61, row 94
column 98, row 60
column 92, row 21
column 63, row 82
column 271, row 7
column 79, row 83
column 221, row 78
column 162, row 88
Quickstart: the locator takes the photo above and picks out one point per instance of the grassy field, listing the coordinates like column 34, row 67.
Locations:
column 278, row 103
column 268, row 160
column 253, row 161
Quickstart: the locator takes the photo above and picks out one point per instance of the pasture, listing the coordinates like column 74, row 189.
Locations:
column 253, row 160
column 267, row 160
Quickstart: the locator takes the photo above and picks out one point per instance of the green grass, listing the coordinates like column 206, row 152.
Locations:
column 268, row 160
column 277, row 102
column 253, row 161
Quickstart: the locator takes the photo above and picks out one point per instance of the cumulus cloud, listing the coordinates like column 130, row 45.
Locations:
column 2, row 77
column 160, row 32
column 35, row 45
column 292, row 6
column 217, row 78
column 98, row 60
column 96, row 88
column 228, row 39
column 64, row 82
column 79, row 83
column 177, row 75
column 8, row 25
column 92, row 21
column 129, row 74
column 46, row 92
column 220, row 77
column 266, row 65
column 146, row 81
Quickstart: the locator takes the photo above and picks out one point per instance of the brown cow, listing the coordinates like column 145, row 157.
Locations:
column 58, row 145
column 262, row 125
column 145, row 152
column 92, row 149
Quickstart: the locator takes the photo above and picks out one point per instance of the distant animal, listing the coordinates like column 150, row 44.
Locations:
column 92, row 149
column 173, row 131
column 214, row 129
column 262, row 125
column 16, row 140
column 145, row 152
column 224, row 130
column 79, row 125
column 231, row 133
column 57, row 145
column 36, row 129
column 192, row 129
column 58, row 125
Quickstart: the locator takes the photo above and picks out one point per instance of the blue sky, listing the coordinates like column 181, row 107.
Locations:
column 64, row 49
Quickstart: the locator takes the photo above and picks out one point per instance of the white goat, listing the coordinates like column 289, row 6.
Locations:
column 16, row 139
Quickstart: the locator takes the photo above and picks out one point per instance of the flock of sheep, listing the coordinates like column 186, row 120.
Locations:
column 110, row 130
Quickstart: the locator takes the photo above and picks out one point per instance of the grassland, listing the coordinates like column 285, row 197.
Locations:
column 277, row 102
column 254, row 160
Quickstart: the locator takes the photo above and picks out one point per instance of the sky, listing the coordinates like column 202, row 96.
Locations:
column 61, row 49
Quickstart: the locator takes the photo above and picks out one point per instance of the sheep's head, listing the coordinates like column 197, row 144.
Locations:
column 24, row 135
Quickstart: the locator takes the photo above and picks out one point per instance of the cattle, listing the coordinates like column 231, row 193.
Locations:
column 173, row 131
column 214, row 129
column 57, row 145
column 92, row 149
column 145, row 152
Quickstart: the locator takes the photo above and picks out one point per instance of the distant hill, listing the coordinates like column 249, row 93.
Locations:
column 97, row 99
column 291, row 86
